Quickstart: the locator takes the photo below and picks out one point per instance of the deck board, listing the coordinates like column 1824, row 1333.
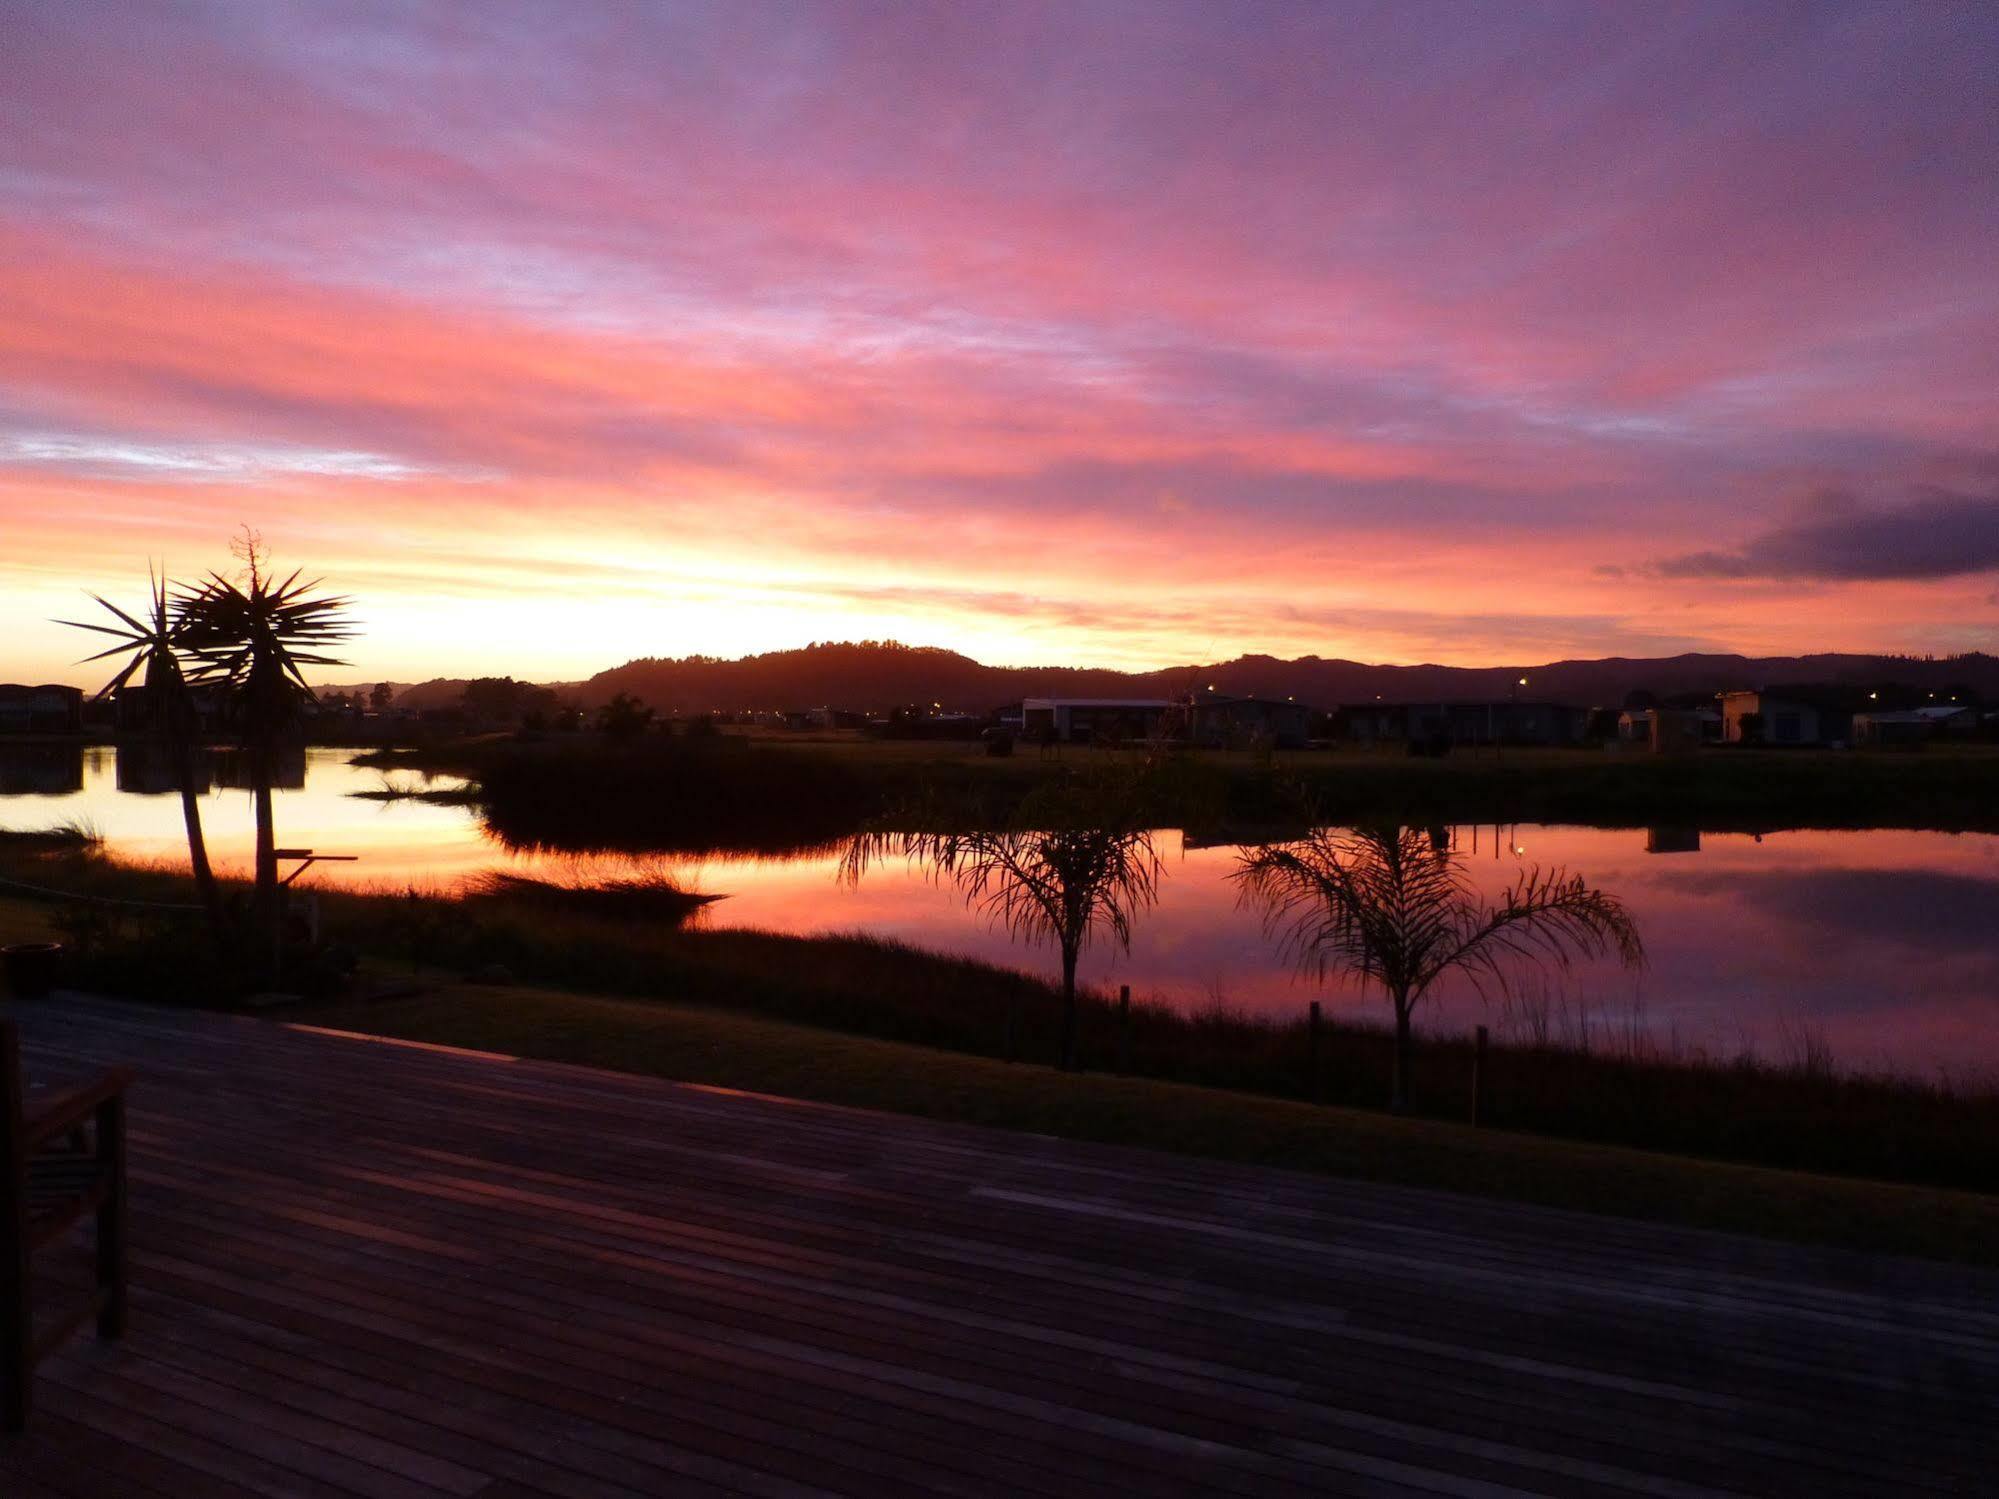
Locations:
column 371, row 1270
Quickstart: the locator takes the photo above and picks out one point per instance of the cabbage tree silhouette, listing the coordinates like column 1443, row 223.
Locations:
column 152, row 648
column 1394, row 907
column 252, row 638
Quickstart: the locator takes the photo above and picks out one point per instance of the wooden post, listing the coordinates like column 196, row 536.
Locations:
column 1478, row 1077
column 1312, row 1079
column 111, row 1218
column 1123, row 1029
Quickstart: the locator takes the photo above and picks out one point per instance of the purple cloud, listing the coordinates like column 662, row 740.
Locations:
column 1934, row 533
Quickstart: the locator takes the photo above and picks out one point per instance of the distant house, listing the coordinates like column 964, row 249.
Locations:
column 824, row 718
column 1224, row 721
column 1083, row 720
column 133, row 709
column 1501, row 721
column 1668, row 731
column 48, row 709
column 1892, row 730
column 1791, row 715
column 1950, row 718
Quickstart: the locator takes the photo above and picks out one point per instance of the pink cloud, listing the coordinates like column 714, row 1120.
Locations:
column 1412, row 327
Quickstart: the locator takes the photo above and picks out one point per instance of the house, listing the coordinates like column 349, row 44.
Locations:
column 1230, row 722
column 1892, row 730
column 1084, row 720
column 1667, row 731
column 133, row 709
column 1501, row 721
column 1791, row 715
column 47, row 709
column 1950, row 718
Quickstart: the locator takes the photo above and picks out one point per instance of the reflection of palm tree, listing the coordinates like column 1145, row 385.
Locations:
column 1076, row 861
column 153, row 648
column 1391, row 908
column 255, row 637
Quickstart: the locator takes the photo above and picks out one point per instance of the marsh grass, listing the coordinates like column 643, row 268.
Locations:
column 392, row 790
column 1561, row 1066
column 650, row 895
column 73, row 836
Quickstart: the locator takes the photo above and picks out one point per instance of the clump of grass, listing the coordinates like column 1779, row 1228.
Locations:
column 74, row 836
column 437, row 796
column 650, row 895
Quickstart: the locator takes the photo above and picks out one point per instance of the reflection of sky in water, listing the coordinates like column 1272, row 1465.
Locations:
column 1884, row 943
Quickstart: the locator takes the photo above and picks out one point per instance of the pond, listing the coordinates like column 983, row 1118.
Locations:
column 1880, row 946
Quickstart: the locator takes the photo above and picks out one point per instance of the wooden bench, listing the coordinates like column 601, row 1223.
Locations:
column 62, row 1157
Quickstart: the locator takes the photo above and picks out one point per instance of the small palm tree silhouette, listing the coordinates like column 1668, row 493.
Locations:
column 1394, row 907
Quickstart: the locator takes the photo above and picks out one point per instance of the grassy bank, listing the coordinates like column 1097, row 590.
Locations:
column 731, row 1050
column 582, row 792
column 623, row 941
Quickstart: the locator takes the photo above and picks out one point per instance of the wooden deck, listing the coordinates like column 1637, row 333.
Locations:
column 369, row 1269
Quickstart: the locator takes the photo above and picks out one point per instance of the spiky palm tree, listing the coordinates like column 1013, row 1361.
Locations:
column 1074, row 863
column 254, row 637
column 1395, row 908
column 152, row 649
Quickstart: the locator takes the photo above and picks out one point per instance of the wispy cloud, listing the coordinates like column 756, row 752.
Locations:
column 1132, row 329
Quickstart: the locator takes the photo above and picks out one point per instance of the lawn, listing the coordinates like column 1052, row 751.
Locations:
column 731, row 1050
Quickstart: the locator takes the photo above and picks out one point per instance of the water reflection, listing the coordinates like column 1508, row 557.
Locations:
column 41, row 770
column 145, row 769
column 1881, row 942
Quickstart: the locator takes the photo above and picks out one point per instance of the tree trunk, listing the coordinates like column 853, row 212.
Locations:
column 1068, row 1008
column 268, row 934
column 1398, row 1097
column 197, row 841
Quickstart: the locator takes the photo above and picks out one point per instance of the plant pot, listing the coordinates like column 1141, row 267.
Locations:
column 31, row 968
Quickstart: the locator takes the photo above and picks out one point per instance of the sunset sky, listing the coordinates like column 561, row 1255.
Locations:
column 1080, row 332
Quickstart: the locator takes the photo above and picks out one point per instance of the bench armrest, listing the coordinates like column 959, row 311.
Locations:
column 72, row 1107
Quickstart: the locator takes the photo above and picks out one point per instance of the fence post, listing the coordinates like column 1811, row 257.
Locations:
column 1123, row 1029
column 1478, row 1077
column 1312, row 1080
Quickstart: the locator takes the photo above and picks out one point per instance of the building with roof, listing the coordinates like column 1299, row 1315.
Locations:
column 1498, row 721
column 51, row 709
column 1088, row 720
column 1227, row 722
column 1910, row 730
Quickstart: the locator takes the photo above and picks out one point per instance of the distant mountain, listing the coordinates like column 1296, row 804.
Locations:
column 872, row 676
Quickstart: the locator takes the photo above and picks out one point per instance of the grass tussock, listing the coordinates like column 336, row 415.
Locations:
column 70, row 837
column 392, row 790
column 647, row 896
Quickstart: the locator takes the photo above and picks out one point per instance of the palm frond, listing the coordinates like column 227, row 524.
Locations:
column 1387, row 907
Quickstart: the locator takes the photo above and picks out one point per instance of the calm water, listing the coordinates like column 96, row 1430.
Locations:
column 1883, row 945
